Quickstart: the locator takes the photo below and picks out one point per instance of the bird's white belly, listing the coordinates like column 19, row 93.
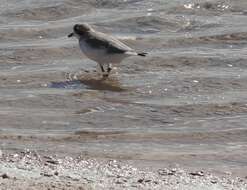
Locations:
column 100, row 55
column 90, row 52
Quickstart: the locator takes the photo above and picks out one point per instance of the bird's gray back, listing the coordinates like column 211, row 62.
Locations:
column 102, row 41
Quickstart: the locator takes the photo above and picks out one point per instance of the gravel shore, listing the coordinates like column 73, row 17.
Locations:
column 29, row 170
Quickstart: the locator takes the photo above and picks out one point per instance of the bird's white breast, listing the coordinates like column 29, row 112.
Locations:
column 91, row 52
column 100, row 54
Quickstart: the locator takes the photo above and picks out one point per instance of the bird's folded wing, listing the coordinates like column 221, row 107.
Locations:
column 111, row 44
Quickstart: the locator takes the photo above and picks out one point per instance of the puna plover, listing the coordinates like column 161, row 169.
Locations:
column 101, row 48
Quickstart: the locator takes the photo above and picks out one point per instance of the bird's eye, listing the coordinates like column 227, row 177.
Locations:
column 76, row 27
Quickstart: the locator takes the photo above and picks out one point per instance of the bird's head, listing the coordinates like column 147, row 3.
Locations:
column 80, row 30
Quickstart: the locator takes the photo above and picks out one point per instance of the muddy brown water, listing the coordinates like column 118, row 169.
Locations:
column 186, row 103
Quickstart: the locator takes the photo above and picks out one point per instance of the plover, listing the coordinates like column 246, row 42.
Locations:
column 102, row 48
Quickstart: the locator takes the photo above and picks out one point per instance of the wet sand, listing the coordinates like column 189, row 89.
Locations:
column 185, row 104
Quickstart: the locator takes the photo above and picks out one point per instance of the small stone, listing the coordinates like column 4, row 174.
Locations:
column 167, row 172
column 213, row 181
column 56, row 173
column 52, row 161
column 171, row 173
column 46, row 174
column 5, row 176
column 241, row 180
column 119, row 182
column 199, row 173
column 140, row 180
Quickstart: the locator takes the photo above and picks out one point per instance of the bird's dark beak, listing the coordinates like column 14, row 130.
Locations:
column 70, row 35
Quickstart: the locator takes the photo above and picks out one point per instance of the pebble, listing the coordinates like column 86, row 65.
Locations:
column 52, row 161
column 213, row 181
column 96, row 173
column 56, row 173
column 46, row 174
column 140, row 180
column 166, row 172
column 5, row 176
column 198, row 173
column 119, row 182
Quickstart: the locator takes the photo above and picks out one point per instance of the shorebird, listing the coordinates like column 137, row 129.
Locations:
column 102, row 48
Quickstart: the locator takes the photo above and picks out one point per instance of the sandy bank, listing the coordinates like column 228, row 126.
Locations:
column 29, row 170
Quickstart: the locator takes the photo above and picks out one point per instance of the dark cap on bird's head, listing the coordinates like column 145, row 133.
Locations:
column 80, row 29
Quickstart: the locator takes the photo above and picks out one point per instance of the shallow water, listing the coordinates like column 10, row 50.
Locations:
column 183, row 104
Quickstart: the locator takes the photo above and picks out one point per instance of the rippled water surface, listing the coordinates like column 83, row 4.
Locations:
column 185, row 103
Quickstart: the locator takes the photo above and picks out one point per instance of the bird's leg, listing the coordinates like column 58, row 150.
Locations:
column 105, row 75
column 102, row 68
column 109, row 68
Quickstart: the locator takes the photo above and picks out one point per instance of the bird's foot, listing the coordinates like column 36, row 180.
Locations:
column 109, row 70
column 105, row 75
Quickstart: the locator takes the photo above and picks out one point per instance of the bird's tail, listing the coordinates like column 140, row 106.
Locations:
column 142, row 54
